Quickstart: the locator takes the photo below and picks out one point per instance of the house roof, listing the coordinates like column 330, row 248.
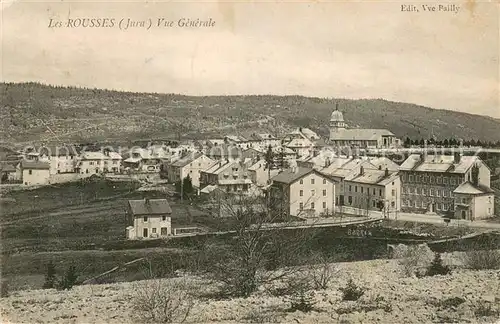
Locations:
column 100, row 156
column 374, row 177
column 360, row 134
column 383, row 163
column 187, row 159
column 257, row 165
column 438, row 163
column 6, row 167
column 289, row 176
column 149, row 207
column 35, row 165
column 471, row 189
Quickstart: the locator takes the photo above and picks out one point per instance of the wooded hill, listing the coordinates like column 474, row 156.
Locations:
column 33, row 112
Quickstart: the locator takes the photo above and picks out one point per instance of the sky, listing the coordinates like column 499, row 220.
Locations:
column 347, row 49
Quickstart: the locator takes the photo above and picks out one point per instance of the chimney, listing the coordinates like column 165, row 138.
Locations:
column 386, row 172
column 361, row 170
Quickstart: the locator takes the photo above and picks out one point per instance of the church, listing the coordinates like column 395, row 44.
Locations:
column 342, row 135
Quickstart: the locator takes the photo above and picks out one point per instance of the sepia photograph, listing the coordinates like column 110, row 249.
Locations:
column 249, row 161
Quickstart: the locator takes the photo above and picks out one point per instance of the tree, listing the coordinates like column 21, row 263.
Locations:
column 69, row 279
column 256, row 255
column 407, row 142
column 437, row 267
column 185, row 187
column 270, row 163
column 50, row 277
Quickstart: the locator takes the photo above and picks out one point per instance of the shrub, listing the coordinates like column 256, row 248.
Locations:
column 451, row 302
column 321, row 273
column 482, row 259
column 50, row 277
column 302, row 301
column 487, row 310
column 437, row 267
column 69, row 279
column 413, row 259
column 158, row 301
column 4, row 289
column 352, row 291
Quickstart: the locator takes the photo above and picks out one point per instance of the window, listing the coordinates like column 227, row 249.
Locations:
column 164, row 231
column 91, row 162
column 324, row 204
column 412, row 190
column 373, row 203
column 324, row 181
column 349, row 199
column 410, row 179
column 424, row 191
column 418, row 191
column 350, row 188
column 301, row 193
column 438, row 206
column 30, row 171
column 145, row 218
column 405, row 190
column 450, row 193
column 312, row 181
column 355, row 188
column 489, row 211
column 374, row 191
column 439, row 180
column 312, row 205
column 445, row 180
column 361, row 189
column 393, row 183
column 313, row 192
column 489, row 200
column 444, row 207
column 432, row 179
column 416, row 204
column 393, row 204
column 393, row 192
column 153, row 230
column 438, row 193
column 301, row 206
column 164, row 218
column 464, row 200
column 324, row 192
column 380, row 192
column 301, row 181
column 431, row 192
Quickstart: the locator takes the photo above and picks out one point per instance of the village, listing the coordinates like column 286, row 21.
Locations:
column 313, row 178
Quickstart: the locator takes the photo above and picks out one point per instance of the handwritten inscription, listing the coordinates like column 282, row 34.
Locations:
column 358, row 232
column 451, row 8
column 130, row 23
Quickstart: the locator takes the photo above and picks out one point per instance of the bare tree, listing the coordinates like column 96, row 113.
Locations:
column 259, row 253
column 163, row 301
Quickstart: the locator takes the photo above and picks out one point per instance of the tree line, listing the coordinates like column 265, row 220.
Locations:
column 449, row 142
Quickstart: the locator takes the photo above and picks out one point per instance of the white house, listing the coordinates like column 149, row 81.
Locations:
column 259, row 173
column 150, row 218
column 190, row 165
column 303, row 192
column 35, row 173
column 99, row 162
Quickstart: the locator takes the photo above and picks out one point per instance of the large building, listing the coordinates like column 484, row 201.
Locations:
column 342, row 135
column 447, row 185
column 302, row 192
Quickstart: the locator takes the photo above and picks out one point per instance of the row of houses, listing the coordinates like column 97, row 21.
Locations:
column 456, row 186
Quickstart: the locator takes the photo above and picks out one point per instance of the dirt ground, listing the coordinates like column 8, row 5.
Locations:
column 390, row 297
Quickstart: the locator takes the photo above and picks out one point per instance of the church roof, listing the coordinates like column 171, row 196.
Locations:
column 337, row 116
column 360, row 134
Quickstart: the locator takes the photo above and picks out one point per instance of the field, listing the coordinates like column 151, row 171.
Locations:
column 71, row 223
column 464, row 296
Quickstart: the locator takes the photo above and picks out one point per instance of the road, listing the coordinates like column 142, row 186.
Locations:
column 435, row 219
